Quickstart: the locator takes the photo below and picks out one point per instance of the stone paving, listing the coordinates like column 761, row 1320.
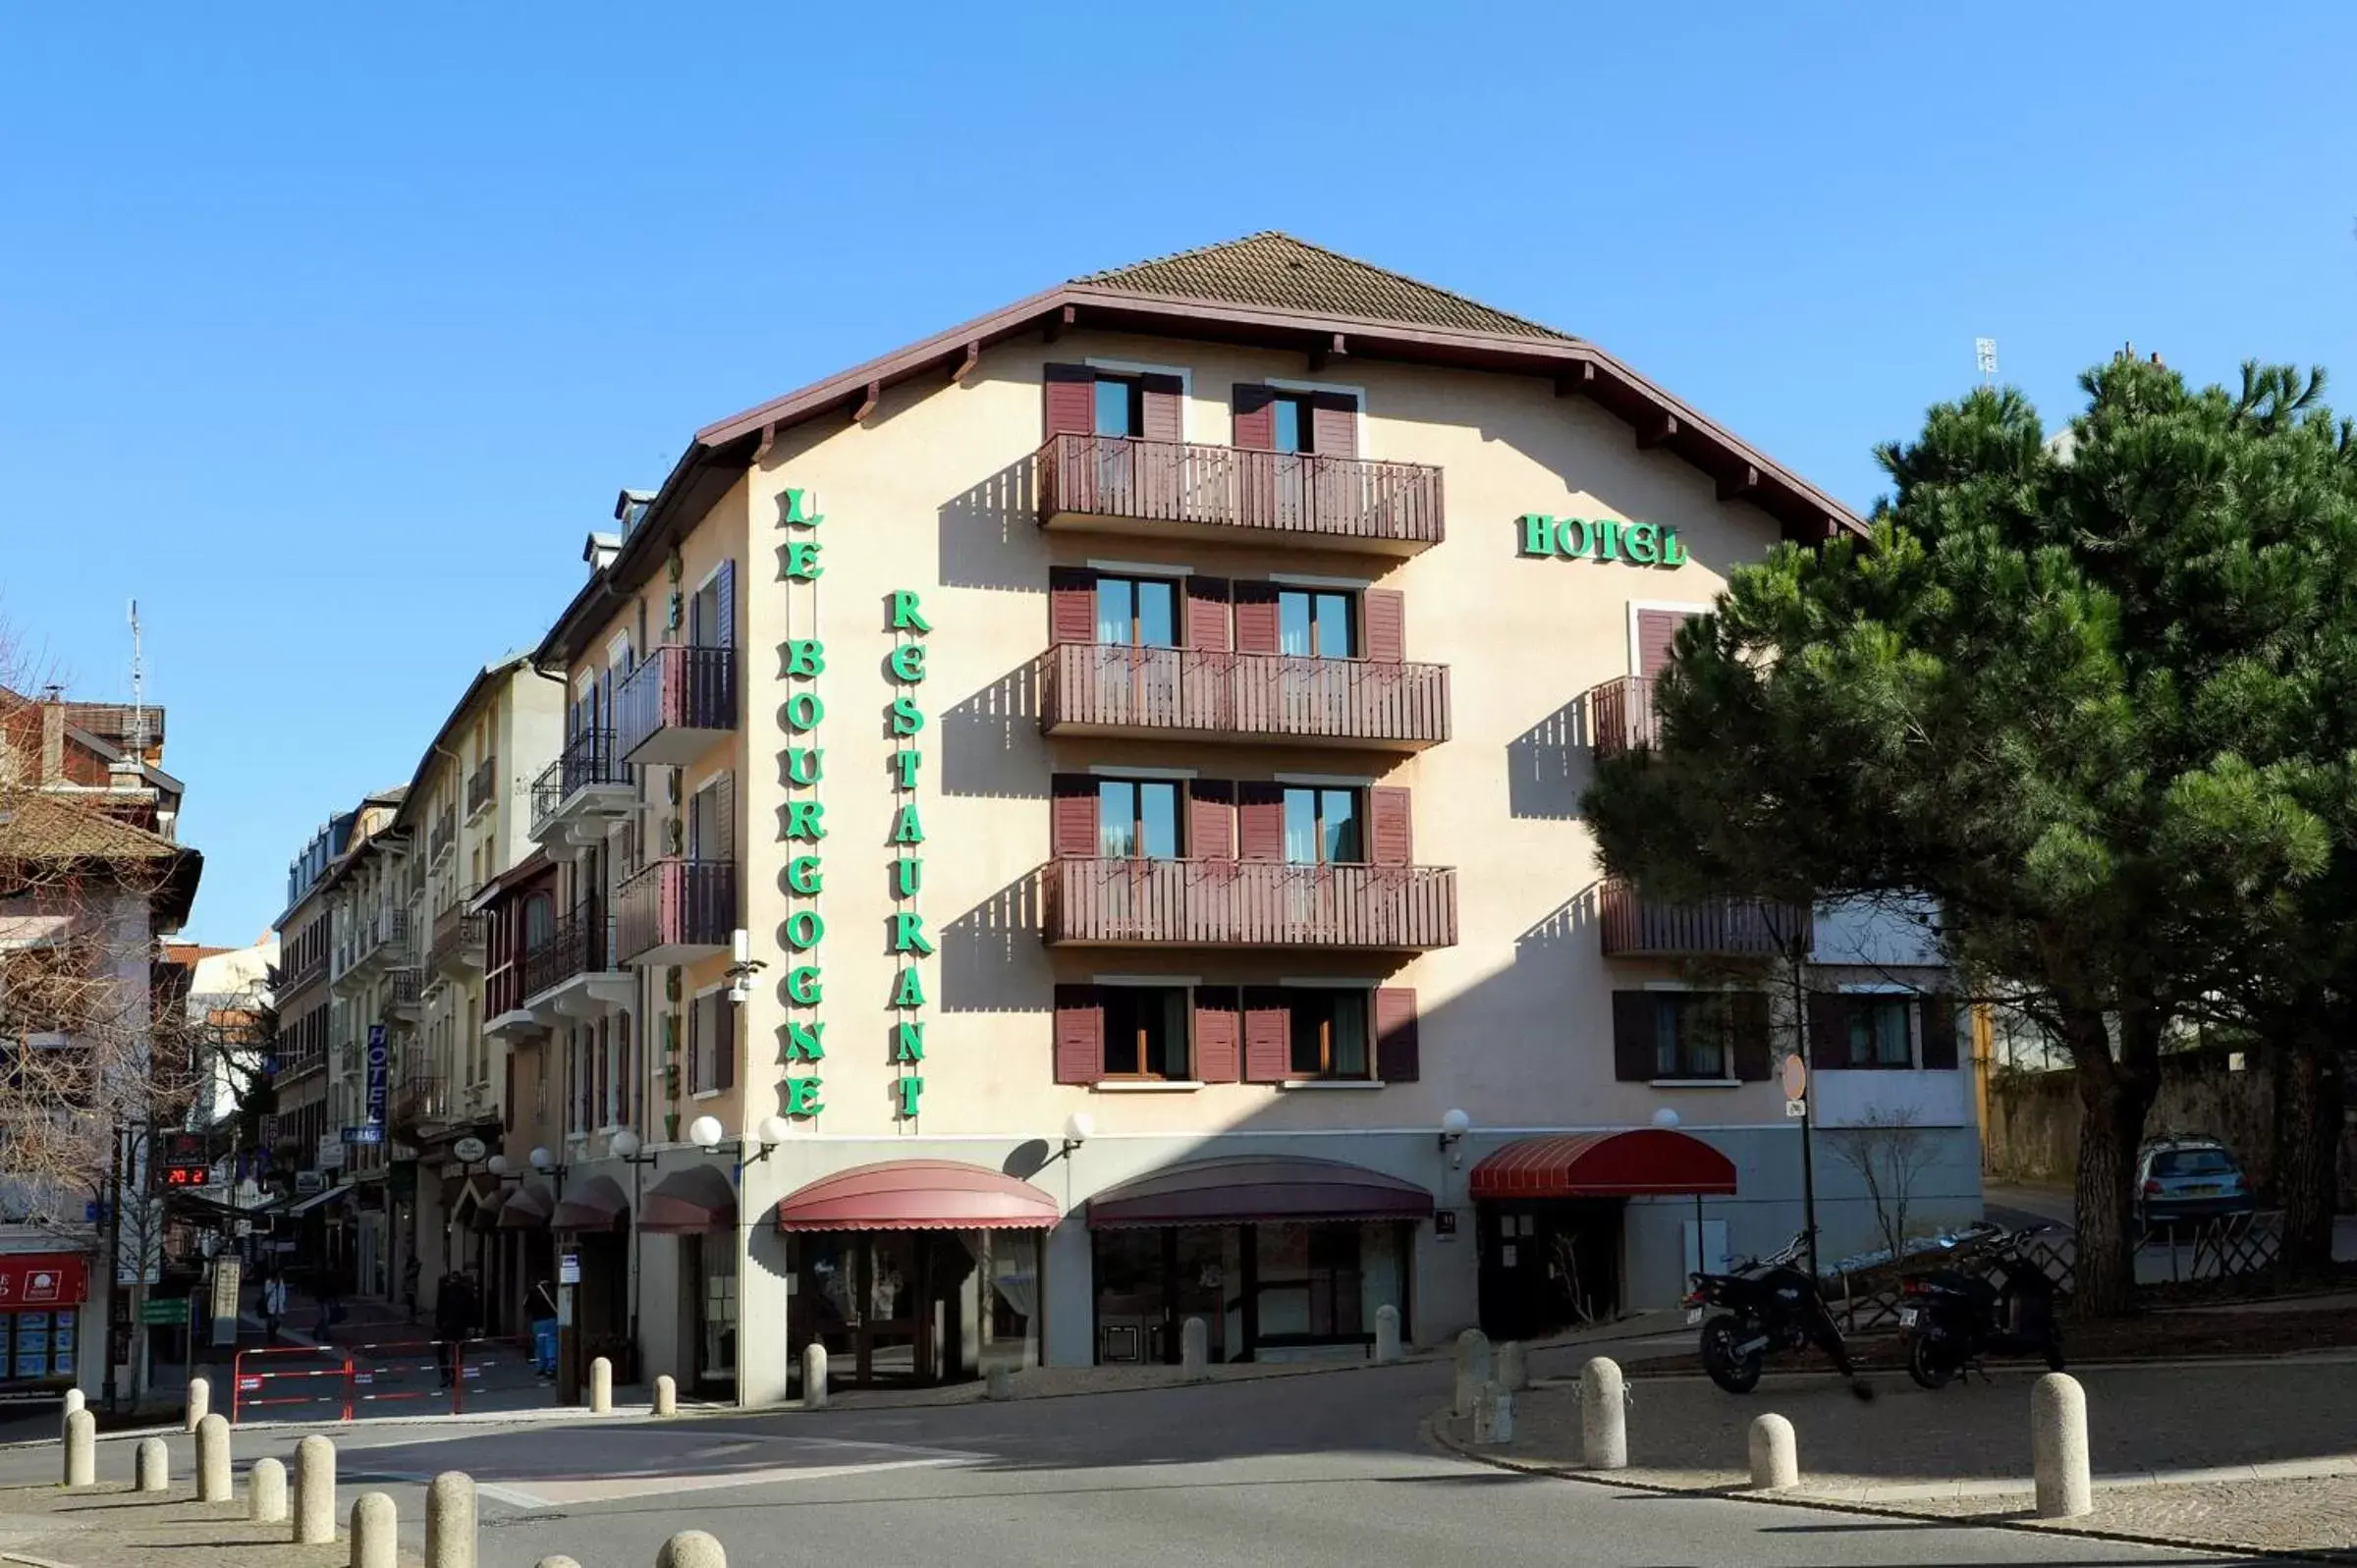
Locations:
column 110, row 1525
column 2316, row 1516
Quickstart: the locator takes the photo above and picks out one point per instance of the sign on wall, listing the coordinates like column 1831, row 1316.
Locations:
column 1603, row 539
column 379, row 1059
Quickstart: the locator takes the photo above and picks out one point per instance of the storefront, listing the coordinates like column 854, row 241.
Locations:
column 1281, row 1257
column 698, row 1207
column 592, row 1220
column 915, row 1271
column 525, row 1258
column 41, row 1303
column 1551, row 1221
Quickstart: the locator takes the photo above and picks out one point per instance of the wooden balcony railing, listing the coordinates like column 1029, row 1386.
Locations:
column 444, row 835
column 1248, row 903
column 589, row 759
column 482, row 784
column 1621, row 716
column 675, row 904
column 674, row 702
column 457, row 936
column 1101, row 686
column 1393, row 507
column 1634, row 926
column 579, row 943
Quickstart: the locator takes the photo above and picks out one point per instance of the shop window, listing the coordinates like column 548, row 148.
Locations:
column 1311, row 1284
column 1145, row 1031
column 1690, row 1034
column 1329, row 1030
column 1322, row 826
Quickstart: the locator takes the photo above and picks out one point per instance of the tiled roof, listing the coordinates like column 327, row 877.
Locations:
column 39, row 825
column 1275, row 271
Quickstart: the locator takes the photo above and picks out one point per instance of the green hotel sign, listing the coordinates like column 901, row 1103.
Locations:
column 1643, row 544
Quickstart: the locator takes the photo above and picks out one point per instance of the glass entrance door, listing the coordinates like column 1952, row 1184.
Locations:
column 868, row 1297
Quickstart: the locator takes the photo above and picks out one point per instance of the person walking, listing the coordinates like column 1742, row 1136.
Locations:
column 540, row 1311
column 274, row 1305
column 454, row 1312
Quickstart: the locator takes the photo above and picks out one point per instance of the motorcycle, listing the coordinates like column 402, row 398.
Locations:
column 1770, row 1306
column 1952, row 1318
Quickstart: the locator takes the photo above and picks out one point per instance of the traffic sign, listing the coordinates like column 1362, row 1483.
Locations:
column 1796, row 1109
column 167, row 1309
column 1797, row 1077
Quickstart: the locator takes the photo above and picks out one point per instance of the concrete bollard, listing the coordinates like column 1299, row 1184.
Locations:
column 1513, row 1368
column 267, row 1492
column 450, row 1521
column 82, row 1449
column 692, row 1548
column 1603, row 1416
column 1194, row 1350
column 999, row 1382
column 814, row 1375
column 74, row 1402
column 151, row 1466
column 375, row 1532
column 667, row 1396
column 1494, row 1416
column 601, row 1387
column 2059, row 1447
column 200, row 1402
column 1472, row 1368
column 1386, row 1334
column 212, row 1461
column 556, row 1561
column 1774, row 1453
column 314, row 1491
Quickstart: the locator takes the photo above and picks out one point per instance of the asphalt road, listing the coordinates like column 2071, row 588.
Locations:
column 1321, row 1472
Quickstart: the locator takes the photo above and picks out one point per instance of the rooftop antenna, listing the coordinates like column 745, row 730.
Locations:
column 1984, row 354
column 138, row 707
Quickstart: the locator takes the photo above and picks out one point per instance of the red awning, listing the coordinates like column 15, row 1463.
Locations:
column 917, row 1195
column 698, row 1198
column 527, row 1209
column 42, row 1279
column 1643, row 1161
column 595, row 1205
column 1241, row 1189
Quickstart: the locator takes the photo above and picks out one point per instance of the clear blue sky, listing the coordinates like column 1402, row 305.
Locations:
column 328, row 335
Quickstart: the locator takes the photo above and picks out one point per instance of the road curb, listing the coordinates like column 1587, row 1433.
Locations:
column 1434, row 1432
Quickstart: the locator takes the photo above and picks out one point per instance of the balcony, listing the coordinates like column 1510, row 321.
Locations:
column 573, row 974
column 675, row 705
column 1200, row 693
column 1621, row 716
column 677, row 911
column 403, row 993
column 457, row 939
column 378, row 938
column 302, row 972
column 1249, row 904
column 1118, row 484
column 443, row 837
column 420, row 1101
column 1637, row 927
column 482, row 787
column 577, row 795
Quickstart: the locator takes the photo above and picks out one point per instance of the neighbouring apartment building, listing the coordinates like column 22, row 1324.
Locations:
column 1074, row 826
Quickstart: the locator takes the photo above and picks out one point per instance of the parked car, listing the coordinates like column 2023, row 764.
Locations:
column 2188, row 1178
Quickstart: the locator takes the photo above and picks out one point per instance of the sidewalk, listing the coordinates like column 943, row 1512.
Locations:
column 111, row 1525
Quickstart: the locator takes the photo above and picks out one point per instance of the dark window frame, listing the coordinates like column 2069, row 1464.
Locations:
column 1136, row 826
column 1700, row 1028
column 1354, row 620
column 1318, row 1026
column 1320, row 796
column 1124, row 1010
column 1865, row 1054
column 1176, row 587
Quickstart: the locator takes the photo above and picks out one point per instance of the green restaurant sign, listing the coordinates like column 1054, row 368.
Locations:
column 1643, row 544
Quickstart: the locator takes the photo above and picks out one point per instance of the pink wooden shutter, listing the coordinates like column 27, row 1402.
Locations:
column 1072, row 605
column 1079, row 1034
column 1073, row 817
column 1334, row 424
column 1268, row 1035
column 1163, row 419
column 1397, row 1057
column 1391, row 831
column 1211, row 820
column 1260, row 822
column 1255, row 418
column 1070, row 399
column 1383, row 625
column 1657, row 631
column 1256, row 624
column 1219, row 1035
column 1207, row 621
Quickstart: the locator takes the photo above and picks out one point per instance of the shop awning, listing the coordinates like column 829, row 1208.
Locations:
column 917, row 1195
column 42, row 1279
column 1641, row 1162
column 527, row 1207
column 1240, row 1189
column 597, row 1204
column 698, row 1198
column 326, row 1195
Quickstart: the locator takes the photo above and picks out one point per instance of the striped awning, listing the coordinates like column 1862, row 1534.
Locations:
column 597, row 1204
column 1640, row 1162
column 527, row 1207
column 1245, row 1189
column 918, row 1195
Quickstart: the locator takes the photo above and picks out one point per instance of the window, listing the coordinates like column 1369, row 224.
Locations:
column 1878, row 1031
column 1137, row 612
column 1119, row 407
column 1329, row 1034
column 1145, row 1032
column 1137, row 819
column 1315, row 624
column 1295, row 430
column 1322, row 827
column 704, row 615
column 1690, row 1035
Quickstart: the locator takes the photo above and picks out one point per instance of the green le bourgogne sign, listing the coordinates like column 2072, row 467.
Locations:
column 1643, row 544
